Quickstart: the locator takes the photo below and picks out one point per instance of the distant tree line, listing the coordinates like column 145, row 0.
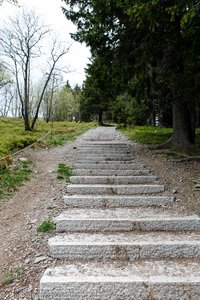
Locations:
column 145, row 64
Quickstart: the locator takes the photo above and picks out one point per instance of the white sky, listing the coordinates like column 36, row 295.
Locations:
column 51, row 12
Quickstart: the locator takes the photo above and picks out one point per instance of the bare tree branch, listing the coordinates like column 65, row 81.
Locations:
column 20, row 43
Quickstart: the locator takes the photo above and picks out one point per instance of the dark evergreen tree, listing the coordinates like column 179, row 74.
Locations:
column 153, row 47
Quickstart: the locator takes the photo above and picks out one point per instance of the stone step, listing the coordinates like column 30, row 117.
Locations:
column 115, row 201
column 103, row 151
column 112, row 166
column 103, row 145
column 108, row 172
column 142, row 280
column 100, row 134
column 129, row 246
column 99, row 157
column 112, row 179
column 124, row 219
column 108, row 160
column 113, row 147
column 100, row 189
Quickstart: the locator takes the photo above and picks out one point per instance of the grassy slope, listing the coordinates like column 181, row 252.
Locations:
column 153, row 135
column 14, row 137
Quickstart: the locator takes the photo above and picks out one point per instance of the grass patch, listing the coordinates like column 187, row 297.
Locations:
column 46, row 226
column 64, row 172
column 12, row 275
column 198, row 136
column 50, row 207
column 14, row 137
column 13, row 177
column 157, row 135
column 152, row 135
column 148, row 134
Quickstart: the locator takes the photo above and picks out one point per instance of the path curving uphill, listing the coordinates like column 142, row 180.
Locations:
column 119, row 237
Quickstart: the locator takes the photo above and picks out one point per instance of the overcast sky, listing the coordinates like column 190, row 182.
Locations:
column 52, row 15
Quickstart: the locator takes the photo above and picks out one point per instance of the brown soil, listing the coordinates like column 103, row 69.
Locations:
column 22, row 246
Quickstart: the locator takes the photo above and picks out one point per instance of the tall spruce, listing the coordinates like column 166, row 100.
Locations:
column 154, row 49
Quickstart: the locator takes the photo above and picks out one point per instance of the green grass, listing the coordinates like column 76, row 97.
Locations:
column 198, row 136
column 64, row 172
column 13, row 177
column 14, row 137
column 152, row 135
column 148, row 134
column 46, row 226
column 12, row 275
column 157, row 135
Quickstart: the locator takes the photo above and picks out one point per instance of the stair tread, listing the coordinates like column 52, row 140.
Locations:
column 147, row 270
column 155, row 238
column 125, row 214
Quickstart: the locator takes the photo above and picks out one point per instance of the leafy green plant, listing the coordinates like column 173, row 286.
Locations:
column 46, row 226
column 52, row 207
column 13, row 274
column 13, row 177
column 64, row 171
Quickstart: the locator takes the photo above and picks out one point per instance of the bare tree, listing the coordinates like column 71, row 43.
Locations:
column 20, row 42
column 49, row 97
column 7, row 97
column 58, row 50
column 4, row 76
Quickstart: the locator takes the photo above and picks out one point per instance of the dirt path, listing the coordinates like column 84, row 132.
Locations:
column 22, row 246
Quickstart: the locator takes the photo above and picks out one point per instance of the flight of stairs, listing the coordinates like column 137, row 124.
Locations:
column 118, row 237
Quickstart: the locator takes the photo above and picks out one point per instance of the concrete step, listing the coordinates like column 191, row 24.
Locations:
column 108, row 172
column 129, row 246
column 115, row 201
column 112, row 179
column 164, row 280
column 100, row 189
column 112, row 166
column 124, row 220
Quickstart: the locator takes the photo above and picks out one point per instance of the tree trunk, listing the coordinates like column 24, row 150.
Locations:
column 26, row 123
column 183, row 127
column 100, row 121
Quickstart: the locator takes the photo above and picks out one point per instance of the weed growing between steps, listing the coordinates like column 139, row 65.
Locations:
column 51, row 207
column 64, row 172
column 46, row 226
column 13, row 177
column 13, row 274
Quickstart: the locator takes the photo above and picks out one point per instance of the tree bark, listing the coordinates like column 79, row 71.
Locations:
column 100, row 121
column 183, row 127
